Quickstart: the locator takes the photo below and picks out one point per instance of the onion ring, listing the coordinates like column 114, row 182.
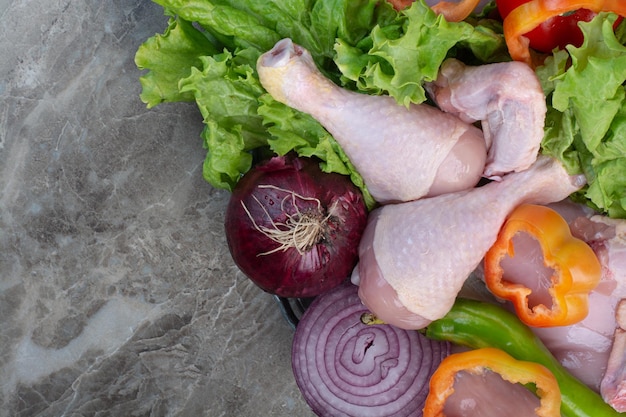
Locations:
column 344, row 367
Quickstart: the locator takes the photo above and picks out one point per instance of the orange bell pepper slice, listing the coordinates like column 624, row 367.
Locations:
column 455, row 12
column 451, row 11
column 528, row 16
column 577, row 270
column 481, row 360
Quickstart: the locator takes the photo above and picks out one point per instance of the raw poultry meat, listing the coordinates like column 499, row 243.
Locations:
column 613, row 385
column 401, row 153
column 610, row 246
column 414, row 257
column 594, row 349
column 583, row 348
column 508, row 100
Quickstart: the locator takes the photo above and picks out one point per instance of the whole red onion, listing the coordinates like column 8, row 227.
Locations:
column 345, row 368
column 293, row 229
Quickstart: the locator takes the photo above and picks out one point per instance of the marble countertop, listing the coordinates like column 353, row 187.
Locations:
column 118, row 296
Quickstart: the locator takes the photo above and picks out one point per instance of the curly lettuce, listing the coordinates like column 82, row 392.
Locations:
column 586, row 120
column 209, row 50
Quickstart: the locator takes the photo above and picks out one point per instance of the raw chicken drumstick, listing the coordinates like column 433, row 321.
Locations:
column 414, row 257
column 508, row 100
column 401, row 153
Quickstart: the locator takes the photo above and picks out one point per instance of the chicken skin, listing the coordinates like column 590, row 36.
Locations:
column 402, row 153
column 508, row 100
column 414, row 257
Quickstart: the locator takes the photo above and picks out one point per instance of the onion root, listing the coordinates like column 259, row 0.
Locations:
column 301, row 230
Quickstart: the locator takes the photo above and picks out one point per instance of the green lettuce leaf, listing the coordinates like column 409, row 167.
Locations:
column 603, row 63
column 169, row 58
column 232, row 25
column 397, row 58
column 586, row 123
column 226, row 92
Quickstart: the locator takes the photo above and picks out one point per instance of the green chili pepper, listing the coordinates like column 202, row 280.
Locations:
column 477, row 324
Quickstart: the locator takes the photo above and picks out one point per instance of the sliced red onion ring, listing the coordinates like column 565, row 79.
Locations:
column 346, row 368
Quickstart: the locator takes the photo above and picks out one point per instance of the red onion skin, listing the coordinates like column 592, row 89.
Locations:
column 290, row 273
column 346, row 368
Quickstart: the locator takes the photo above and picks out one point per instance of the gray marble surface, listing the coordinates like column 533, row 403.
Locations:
column 118, row 296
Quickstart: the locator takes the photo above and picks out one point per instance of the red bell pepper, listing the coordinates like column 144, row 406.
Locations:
column 528, row 16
